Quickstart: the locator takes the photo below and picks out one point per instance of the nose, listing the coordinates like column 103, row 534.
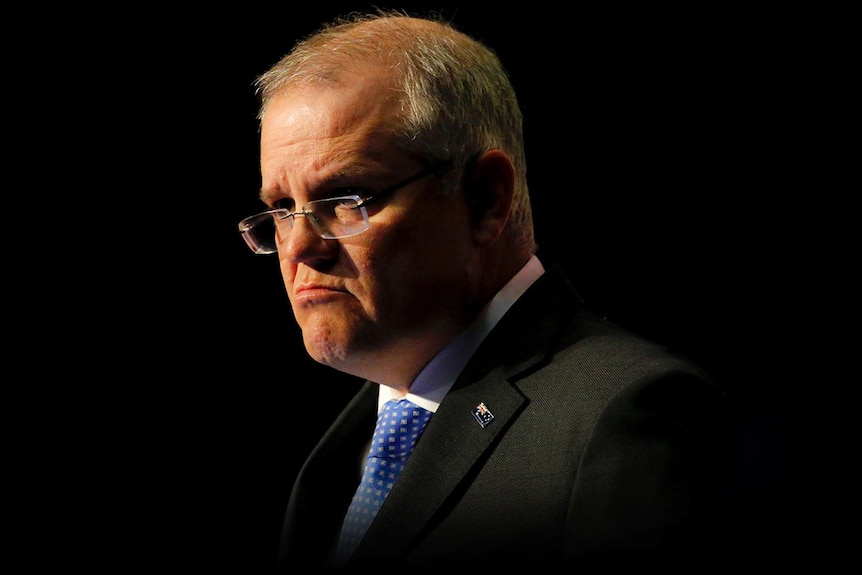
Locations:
column 302, row 244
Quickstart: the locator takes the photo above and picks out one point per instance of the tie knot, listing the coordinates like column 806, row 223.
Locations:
column 399, row 426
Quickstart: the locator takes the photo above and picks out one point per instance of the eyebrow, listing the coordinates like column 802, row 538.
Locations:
column 333, row 180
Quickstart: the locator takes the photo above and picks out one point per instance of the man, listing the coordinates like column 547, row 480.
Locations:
column 393, row 168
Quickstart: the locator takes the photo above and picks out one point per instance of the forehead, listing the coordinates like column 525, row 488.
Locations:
column 313, row 125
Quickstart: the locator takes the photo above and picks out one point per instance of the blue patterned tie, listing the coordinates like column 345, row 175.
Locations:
column 399, row 425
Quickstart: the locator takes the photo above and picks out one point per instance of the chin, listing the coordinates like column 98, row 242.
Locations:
column 332, row 345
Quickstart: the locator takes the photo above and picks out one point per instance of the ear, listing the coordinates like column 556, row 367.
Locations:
column 489, row 185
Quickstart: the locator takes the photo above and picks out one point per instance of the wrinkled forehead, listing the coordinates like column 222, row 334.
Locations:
column 350, row 96
column 359, row 105
column 321, row 128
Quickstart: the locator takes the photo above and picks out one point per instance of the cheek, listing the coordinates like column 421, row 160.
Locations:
column 442, row 225
column 424, row 259
column 442, row 237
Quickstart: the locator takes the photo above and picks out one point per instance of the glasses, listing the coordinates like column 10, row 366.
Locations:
column 330, row 218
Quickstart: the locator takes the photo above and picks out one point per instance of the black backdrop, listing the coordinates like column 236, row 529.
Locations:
column 658, row 152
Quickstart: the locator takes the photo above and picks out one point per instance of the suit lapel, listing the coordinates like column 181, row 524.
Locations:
column 448, row 449
column 454, row 440
column 328, row 479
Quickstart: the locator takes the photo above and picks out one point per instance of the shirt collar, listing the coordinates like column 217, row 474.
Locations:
column 436, row 378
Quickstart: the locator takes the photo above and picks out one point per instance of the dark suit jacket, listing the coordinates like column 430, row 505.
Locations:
column 605, row 451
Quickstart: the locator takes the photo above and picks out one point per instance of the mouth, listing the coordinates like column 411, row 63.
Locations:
column 316, row 293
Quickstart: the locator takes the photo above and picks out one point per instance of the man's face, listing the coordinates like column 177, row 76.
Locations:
column 379, row 304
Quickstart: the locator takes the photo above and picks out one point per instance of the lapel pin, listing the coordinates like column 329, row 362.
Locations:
column 483, row 415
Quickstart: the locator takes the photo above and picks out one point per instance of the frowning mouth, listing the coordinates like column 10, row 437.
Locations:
column 316, row 293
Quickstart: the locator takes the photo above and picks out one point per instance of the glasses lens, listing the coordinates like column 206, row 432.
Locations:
column 259, row 231
column 337, row 217
column 332, row 218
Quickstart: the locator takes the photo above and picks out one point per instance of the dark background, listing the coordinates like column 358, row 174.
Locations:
column 662, row 147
